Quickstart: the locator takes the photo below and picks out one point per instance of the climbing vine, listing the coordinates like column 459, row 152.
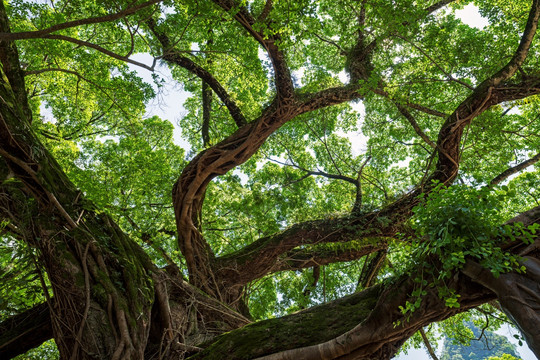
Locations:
column 456, row 223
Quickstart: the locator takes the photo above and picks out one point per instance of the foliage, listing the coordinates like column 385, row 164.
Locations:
column 47, row 351
column 334, row 164
column 452, row 224
column 482, row 344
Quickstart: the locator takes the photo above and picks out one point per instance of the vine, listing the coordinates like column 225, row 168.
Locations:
column 453, row 224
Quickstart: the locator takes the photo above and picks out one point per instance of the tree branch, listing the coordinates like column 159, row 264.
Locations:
column 414, row 106
column 282, row 74
column 428, row 344
column 298, row 259
column 70, row 24
column 263, row 255
column 317, row 173
column 514, row 170
column 174, row 57
column 414, row 124
column 490, row 92
column 207, row 108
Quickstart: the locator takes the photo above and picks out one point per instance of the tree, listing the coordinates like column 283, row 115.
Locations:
column 117, row 247
column 480, row 346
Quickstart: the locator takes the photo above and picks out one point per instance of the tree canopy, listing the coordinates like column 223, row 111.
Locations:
column 356, row 171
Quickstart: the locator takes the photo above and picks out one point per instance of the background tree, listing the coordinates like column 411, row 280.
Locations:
column 479, row 345
column 119, row 245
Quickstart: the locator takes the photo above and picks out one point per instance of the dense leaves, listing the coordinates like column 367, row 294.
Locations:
column 314, row 132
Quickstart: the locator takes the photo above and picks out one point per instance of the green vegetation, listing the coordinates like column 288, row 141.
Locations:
column 482, row 345
column 335, row 178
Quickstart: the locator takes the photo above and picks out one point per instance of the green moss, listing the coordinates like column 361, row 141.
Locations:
column 318, row 324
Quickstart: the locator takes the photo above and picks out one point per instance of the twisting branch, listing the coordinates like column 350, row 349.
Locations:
column 282, row 74
column 514, row 170
column 70, row 24
column 490, row 92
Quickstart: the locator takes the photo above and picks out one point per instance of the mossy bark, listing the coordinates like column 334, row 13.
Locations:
column 81, row 250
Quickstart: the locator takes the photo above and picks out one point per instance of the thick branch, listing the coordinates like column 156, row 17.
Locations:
column 9, row 59
column 282, row 74
column 518, row 294
column 265, row 254
column 523, row 49
column 490, row 92
column 305, row 258
column 362, row 326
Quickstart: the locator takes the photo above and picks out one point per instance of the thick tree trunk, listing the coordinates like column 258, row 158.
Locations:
column 101, row 280
column 110, row 301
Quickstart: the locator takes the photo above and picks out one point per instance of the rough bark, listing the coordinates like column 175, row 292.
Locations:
column 110, row 301
column 360, row 326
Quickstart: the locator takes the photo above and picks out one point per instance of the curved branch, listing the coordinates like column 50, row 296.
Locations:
column 174, row 57
column 101, row 50
column 514, row 170
column 70, row 24
column 490, row 92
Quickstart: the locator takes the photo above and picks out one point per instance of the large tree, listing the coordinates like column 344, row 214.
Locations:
column 351, row 147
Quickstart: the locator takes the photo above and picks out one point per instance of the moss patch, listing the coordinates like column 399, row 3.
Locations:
column 315, row 325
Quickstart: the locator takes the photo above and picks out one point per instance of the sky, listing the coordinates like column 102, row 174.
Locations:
column 168, row 105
